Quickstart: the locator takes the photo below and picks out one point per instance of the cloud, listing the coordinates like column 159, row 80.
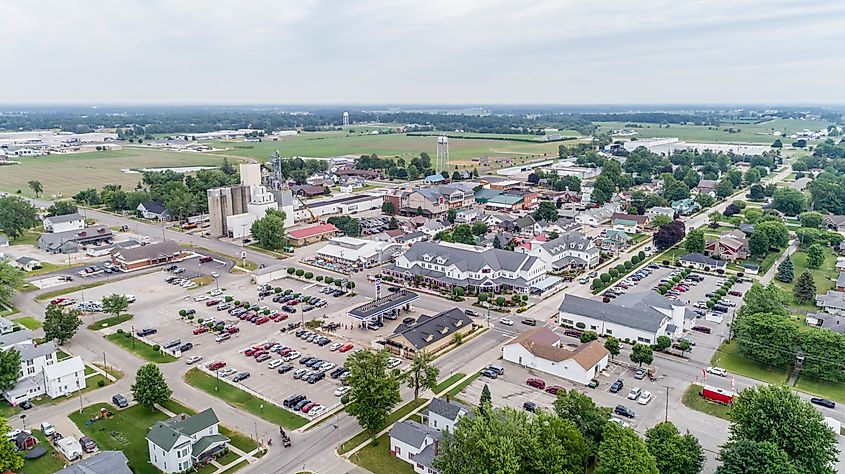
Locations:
column 437, row 51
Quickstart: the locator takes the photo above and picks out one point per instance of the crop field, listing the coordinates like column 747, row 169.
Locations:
column 326, row 144
column 749, row 133
column 69, row 173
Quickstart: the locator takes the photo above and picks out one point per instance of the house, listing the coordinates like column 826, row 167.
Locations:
column 433, row 227
column 417, row 443
column 6, row 326
column 706, row 186
column 505, row 202
column 312, row 234
column 4, row 242
column 104, row 462
column 64, row 223
column 569, row 250
column 615, row 240
column 26, row 264
column 408, row 239
column 628, row 223
column 153, row 210
column 701, row 262
column 177, row 444
column 358, row 253
column 459, row 265
column 64, row 378
column 149, row 255
column 748, row 229
column 466, row 216
column 637, row 317
column 429, row 333
column 71, row 241
column 834, row 322
column 596, row 216
column 660, row 211
column 436, row 178
column 540, row 349
column 730, row 246
column 685, row 206
column 484, row 194
column 833, row 222
column 307, row 190
column 832, row 302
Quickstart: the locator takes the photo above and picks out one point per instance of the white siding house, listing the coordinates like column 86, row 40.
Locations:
column 540, row 349
column 64, row 223
column 180, row 442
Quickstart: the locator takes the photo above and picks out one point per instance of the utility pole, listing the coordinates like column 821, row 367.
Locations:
column 666, row 414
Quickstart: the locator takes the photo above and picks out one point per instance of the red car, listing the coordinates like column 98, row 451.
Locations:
column 212, row 302
column 554, row 389
column 536, row 383
column 285, row 351
column 216, row 365
column 345, row 348
column 282, row 317
column 259, row 352
column 251, row 351
column 262, row 321
column 680, row 288
column 233, row 330
column 200, row 330
column 293, row 302
column 57, row 300
column 735, row 293
column 268, row 345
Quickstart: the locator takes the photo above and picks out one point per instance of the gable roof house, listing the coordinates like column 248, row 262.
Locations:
column 429, row 333
column 706, row 186
column 64, row 223
column 730, row 246
column 596, row 216
column 833, row 222
column 70, row 241
column 153, row 210
column 628, row 223
column 149, row 255
column 569, row 250
column 418, row 443
column 615, row 240
column 178, row 443
column 104, row 462
column 701, row 262
column 685, row 206
column 655, row 211
column 540, row 349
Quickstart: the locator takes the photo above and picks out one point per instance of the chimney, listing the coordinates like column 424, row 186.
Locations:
column 183, row 416
column 436, row 447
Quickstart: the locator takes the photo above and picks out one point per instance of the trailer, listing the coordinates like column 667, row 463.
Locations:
column 718, row 395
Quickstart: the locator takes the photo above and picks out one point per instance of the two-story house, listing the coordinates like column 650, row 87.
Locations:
column 570, row 250
column 63, row 223
column 418, row 443
column 177, row 444
column 41, row 372
column 730, row 246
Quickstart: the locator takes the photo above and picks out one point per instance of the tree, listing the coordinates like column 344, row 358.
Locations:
column 758, row 244
column 812, row 219
column 16, row 216
column 115, row 304
column 724, row 188
column 663, row 342
column 388, row 208
column 612, row 345
column 11, row 460
column 479, row 228
column 674, row 453
column 805, row 288
column 824, row 355
column 10, row 368
column 393, row 224
column 751, row 457
column 462, row 233
column 763, row 299
column 776, row 414
column 588, row 336
column 642, row 354
column 669, row 235
column 373, row 390
column 684, row 345
column 451, row 215
column 62, row 208
column 731, row 210
column 660, row 220
column 348, row 225
column 36, row 187
column 590, row 419
column 150, row 388
column 11, row 278
column 486, row 397
column 815, row 256
column 695, row 241
column 775, row 231
column 422, row 374
column 786, row 271
column 269, row 231
column 767, row 338
column 546, row 211
column 788, row 201
column 60, row 325
column 623, row 452
column 497, row 244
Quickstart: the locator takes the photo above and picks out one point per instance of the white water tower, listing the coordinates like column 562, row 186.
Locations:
column 442, row 154
column 346, row 119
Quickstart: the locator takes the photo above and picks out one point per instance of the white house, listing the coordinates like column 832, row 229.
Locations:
column 417, row 443
column 701, row 262
column 358, row 252
column 540, row 349
column 596, row 216
column 660, row 211
column 65, row 377
column 153, row 210
column 569, row 250
column 64, row 223
column 6, row 326
column 180, row 442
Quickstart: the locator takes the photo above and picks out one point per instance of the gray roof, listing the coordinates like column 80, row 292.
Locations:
column 569, row 240
column 155, row 207
column 439, row 326
column 166, row 433
column 702, row 259
column 524, row 221
column 64, row 218
column 644, row 300
column 831, row 299
column 630, row 317
column 31, row 351
column 104, row 462
column 16, row 337
column 413, row 433
column 166, row 248
column 470, row 260
column 56, row 239
column 840, row 280
column 412, row 236
column 835, row 323
column 448, row 409
column 426, row 456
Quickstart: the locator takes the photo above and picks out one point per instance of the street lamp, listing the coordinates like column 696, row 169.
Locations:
column 23, row 420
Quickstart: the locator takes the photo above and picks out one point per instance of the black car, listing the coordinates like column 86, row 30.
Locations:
column 617, row 386
column 624, row 411
column 285, row 369
column 314, row 378
column 306, row 360
column 530, row 406
column 146, row 332
column 314, row 363
column 186, row 347
column 292, row 400
column 407, row 321
column 240, row 376
column 823, row 402
column 172, row 343
column 26, row 405
column 393, row 289
column 298, row 406
column 529, row 322
column 120, row 401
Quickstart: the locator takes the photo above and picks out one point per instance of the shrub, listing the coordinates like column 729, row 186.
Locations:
column 120, row 331
column 288, row 291
column 300, row 272
column 101, row 383
column 665, row 262
column 720, row 271
column 620, row 268
column 721, row 292
column 266, row 312
column 182, row 312
column 291, row 270
column 580, row 325
column 628, row 265
column 459, row 291
column 319, row 277
column 156, row 347
column 635, row 259
column 740, row 275
column 190, row 317
column 710, row 304
column 500, row 300
column 229, row 299
column 483, row 296
column 200, row 320
column 614, row 273
column 597, row 283
column 237, row 303
column 338, row 283
column 329, row 280
column 309, row 275
column 605, row 278
column 277, row 290
column 641, row 254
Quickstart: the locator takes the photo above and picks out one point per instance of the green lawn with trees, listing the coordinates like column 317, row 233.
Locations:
column 824, row 276
column 141, row 349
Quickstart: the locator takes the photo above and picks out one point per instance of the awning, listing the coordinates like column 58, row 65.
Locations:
column 546, row 283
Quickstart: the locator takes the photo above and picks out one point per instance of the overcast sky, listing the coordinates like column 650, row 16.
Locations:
column 424, row 51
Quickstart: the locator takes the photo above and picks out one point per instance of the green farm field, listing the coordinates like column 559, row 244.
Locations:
column 69, row 173
column 749, row 133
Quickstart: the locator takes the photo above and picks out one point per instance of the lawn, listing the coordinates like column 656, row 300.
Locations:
column 52, row 461
column 238, row 439
column 824, row 276
column 363, row 436
column 46, row 267
column 830, row 390
column 108, row 322
column 125, row 431
column 202, row 281
column 461, row 386
column 443, row 385
column 245, row 401
column 73, row 289
column 378, row 459
column 694, row 401
column 139, row 348
column 728, row 358
column 29, row 237
column 760, row 133
column 9, row 312
column 28, row 322
column 237, row 466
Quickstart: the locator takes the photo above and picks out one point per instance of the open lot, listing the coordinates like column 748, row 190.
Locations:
column 748, row 132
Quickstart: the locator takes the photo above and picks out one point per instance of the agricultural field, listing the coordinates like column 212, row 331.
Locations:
column 68, row 173
column 749, row 133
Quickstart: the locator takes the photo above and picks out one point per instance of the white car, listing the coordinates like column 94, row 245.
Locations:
column 228, row 371
column 216, row 292
column 275, row 363
column 200, row 298
column 335, row 346
column 316, row 410
column 393, row 362
column 620, row 422
column 215, row 275
column 193, row 359
column 341, row 390
column 506, row 321
column 327, row 366
column 717, row 371
column 130, row 298
column 645, row 398
column 192, row 284
column 293, row 355
column 634, row 393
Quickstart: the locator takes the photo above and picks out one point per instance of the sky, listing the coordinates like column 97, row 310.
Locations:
column 422, row 52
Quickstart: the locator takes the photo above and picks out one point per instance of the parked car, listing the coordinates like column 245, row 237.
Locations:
column 640, row 373
column 88, row 444
column 536, row 383
column 506, row 321
column 634, row 393
column 704, row 329
column 554, row 389
column 340, row 391
column 193, row 359
column 717, row 371
column 120, row 401
column 240, row 376
column 146, row 332
column 616, row 386
column 624, row 411
column 186, row 347
column 529, row 406
column 645, row 398
column 823, row 402
column 345, row 347
column 490, row 374
column 529, row 322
